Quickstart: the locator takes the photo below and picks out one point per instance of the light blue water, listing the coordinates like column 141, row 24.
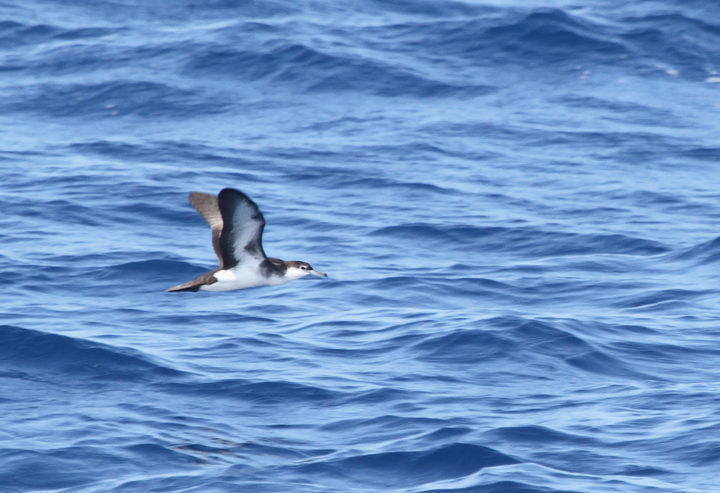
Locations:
column 517, row 205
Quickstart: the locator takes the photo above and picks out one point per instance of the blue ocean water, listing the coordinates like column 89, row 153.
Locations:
column 517, row 204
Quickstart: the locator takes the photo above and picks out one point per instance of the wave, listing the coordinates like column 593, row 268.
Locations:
column 681, row 41
column 29, row 470
column 239, row 169
column 705, row 253
column 541, row 435
column 529, row 241
column 60, row 356
column 542, row 36
column 65, row 273
column 648, row 45
column 145, row 270
column 14, row 34
column 258, row 392
column 661, row 299
column 465, row 346
column 411, row 468
column 519, row 341
column 110, row 99
column 86, row 464
column 316, row 71
column 54, row 210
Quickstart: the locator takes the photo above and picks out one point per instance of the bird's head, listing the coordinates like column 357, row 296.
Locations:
column 297, row 269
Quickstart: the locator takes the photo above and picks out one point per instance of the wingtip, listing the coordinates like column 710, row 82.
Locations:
column 196, row 195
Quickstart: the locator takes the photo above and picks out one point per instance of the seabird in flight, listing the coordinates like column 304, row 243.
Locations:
column 237, row 226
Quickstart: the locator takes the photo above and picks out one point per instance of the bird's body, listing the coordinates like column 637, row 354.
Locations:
column 237, row 226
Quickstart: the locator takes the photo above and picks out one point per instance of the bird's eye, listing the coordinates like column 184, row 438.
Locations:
column 303, row 267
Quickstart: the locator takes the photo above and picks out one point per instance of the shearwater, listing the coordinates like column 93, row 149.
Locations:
column 237, row 226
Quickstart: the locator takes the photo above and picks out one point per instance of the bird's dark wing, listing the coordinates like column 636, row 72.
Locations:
column 207, row 206
column 243, row 223
column 197, row 283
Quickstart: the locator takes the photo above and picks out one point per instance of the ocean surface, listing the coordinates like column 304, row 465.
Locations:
column 517, row 205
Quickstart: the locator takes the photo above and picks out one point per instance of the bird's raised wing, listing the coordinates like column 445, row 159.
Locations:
column 243, row 223
column 207, row 206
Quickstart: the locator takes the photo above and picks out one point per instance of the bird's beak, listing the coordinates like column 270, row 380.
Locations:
column 321, row 274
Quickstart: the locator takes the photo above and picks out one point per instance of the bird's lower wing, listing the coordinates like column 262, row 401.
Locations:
column 243, row 224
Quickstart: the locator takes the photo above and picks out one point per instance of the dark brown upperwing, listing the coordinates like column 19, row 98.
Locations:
column 207, row 205
column 194, row 285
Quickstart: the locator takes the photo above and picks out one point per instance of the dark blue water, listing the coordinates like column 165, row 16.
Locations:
column 517, row 204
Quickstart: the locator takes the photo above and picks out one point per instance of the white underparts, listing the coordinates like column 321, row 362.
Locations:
column 250, row 277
